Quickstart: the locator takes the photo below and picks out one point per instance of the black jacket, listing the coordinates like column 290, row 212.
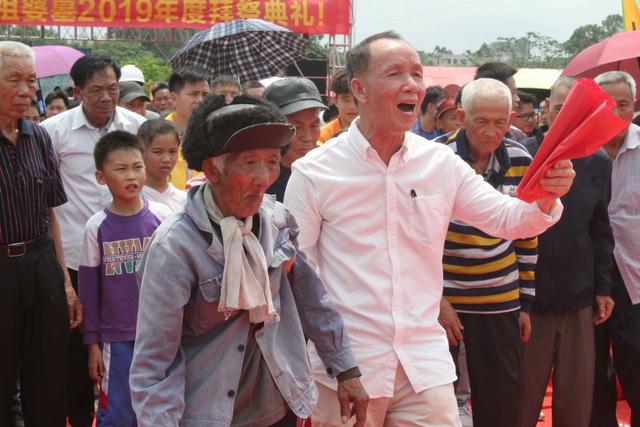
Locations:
column 575, row 255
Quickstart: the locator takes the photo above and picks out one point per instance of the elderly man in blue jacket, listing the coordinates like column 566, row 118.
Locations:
column 226, row 297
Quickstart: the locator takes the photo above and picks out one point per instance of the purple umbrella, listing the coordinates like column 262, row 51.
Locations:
column 54, row 60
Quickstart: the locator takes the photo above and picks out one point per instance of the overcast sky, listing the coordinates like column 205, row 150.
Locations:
column 466, row 24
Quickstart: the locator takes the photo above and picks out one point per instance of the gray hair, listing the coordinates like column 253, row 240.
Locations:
column 484, row 86
column 220, row 162
column 15, row 49
column 563, row 81
column 618, row 77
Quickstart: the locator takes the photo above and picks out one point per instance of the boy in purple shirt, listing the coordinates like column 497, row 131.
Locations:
column 114, row 240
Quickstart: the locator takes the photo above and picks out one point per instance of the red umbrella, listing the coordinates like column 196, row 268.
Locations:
column 54, row 60
column 620, row 52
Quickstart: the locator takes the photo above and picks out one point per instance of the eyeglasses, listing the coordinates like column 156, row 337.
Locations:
column 527, row 116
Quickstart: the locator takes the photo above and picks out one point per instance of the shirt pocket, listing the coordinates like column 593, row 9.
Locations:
column 207, row 302
column 39, row 186
column 425, row 219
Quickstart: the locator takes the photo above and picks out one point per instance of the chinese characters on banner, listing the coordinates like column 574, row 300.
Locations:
column 300, row 16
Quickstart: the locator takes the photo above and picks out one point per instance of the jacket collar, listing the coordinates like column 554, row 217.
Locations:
column 196, row 210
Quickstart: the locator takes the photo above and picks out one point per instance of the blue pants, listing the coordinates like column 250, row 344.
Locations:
column 115, row 408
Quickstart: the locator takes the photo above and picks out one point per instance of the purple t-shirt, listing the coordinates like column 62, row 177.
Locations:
column 112, row 247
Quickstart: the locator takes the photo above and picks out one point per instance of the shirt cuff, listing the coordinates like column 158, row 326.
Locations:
column 348, row 374
column 340, row 362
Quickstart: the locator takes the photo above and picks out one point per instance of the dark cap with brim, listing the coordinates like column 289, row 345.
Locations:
column 256, row 136
column 130, row 91
column 294, row 94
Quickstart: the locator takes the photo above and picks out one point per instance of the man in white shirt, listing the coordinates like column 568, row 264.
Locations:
column 622, row 331
column 74, row 134
column 373, row 206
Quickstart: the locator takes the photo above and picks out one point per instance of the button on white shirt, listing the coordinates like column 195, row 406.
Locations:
column 624, row 211
column 376, row 234
column 73, row 139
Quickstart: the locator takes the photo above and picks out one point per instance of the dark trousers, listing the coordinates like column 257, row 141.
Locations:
column 492, row 343
column 603, row 410
column 80, row 388
column 624, row 334
column 34, row 331
column 562, row 343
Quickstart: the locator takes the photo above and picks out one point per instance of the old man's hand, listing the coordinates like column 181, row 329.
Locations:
column 556, row 183
column 353, row 401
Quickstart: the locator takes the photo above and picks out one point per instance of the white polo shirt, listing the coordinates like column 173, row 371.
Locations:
column 73, row 139
column 376, row 234
column 624, row 211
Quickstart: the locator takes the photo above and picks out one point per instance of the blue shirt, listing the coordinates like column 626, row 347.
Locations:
column 418, row 131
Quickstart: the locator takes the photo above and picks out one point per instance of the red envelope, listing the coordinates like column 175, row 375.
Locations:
column 585, row 123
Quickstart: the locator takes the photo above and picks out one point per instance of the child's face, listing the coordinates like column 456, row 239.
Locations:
column 123, row 172
column 346, row 108
column 161, row 156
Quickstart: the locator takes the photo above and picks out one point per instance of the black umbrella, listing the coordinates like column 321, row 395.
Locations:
column 250, row 49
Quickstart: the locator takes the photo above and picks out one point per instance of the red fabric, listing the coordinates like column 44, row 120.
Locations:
column 585, row 123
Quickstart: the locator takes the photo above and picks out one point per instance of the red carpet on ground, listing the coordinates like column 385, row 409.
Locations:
column 623, row 412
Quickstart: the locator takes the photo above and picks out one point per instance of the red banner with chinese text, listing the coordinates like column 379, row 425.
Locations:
column 300, row 16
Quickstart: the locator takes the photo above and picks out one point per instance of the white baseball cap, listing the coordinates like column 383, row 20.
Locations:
column 131, row 73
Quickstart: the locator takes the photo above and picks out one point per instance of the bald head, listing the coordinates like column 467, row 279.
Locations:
column 481, row 90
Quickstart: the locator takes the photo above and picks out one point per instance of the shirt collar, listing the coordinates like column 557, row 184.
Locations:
column 632, row 140
column 81, row 120
column 498, row 164
column 364, row 149
column 25, row 128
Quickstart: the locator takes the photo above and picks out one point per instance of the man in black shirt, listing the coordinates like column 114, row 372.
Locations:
column 572, row 275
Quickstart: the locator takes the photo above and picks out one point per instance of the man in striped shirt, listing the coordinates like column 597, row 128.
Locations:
column 489, row 281
column 37, row 303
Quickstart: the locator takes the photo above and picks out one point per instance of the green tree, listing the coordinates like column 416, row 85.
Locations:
column 591, row 34
column 154, row 67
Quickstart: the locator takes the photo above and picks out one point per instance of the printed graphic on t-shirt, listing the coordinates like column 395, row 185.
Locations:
column 122, row 256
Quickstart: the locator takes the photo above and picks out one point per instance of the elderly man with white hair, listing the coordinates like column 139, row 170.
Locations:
column 489, row 283
column 373, row 206
column 624, row 215
column 35, row 310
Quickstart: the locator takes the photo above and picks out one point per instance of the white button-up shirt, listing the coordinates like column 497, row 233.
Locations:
column 376, row 234
column 624, row 211
column 73, row 139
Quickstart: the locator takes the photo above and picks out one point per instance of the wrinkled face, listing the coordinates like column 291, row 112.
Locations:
column 138, row 105
column 32, row 114
column 390, row 91
column 228, row 91
column 189, row 97
column 525, row 118
column 17, row 86
column 307, row 124
column 347, row 109
column 99, row 96
column 621, row 93
column 448, row 122
column 161, row 155
column 55, row 107
column 162, row 100
column 123, row 172
column 486, row 122
column 555, row 103
column 239, row 188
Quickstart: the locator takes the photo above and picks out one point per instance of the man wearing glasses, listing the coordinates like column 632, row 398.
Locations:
column 526, row 118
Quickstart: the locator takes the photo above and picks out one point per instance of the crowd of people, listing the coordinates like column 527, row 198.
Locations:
column 218, row 253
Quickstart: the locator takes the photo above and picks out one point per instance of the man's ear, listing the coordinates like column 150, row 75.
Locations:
column 460, row 115
column 173, row 97
column 512, row 117
column 100, row 177
column 77, row 93
column 211, row 171
column 358, row 90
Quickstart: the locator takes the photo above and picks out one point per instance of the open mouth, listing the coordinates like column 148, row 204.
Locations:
column 407, row 107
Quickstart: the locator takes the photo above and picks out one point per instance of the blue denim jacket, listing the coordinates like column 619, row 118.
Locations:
column 187, row 358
